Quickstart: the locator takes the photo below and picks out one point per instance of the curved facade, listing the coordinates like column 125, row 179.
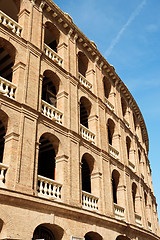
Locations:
column 73, row 142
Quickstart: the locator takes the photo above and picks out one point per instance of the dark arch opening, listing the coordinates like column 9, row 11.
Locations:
column 92, row 236
column 52, row 35
column 85, row 108
column 46, row 159
column 82, row 63
column 124, row 106
column 115, row 182
column 42, row 232
column 134, row 191
column 50, row 87
column 86, row 176
column 128, row 146
column 107, row 87
column 11, row 8
column 111, row 127
column 2, row 134
column 7, row 58
column 121, row 237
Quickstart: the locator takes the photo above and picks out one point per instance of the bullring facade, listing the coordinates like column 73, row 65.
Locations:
column 73, row 142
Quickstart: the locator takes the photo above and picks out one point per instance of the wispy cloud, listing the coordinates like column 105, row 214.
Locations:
column 130, row 20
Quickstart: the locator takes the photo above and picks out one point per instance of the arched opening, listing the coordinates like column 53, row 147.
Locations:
column 145, row 198
column 92, row 236
column 111, row 128
column 87, row 168
column 7, row 58
column 128, row 146
column 135, row 121
column 1, row 225
column 82, row 63
column 85, row 108
column 107, row 87
column 115, row 182
column 51, row 36
column 2, row 134
column 139, row 156
column 47, row 152
column 48, row 232
column 10, row 8
column 50, row 87
column 124, row 106
column 42, row 232
column 134, row 192
column 86, row 176
column 122, row 237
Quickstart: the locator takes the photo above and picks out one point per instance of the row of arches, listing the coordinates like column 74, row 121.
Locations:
column 48, row 150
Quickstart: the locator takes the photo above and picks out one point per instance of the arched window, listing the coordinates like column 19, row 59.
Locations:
column 122, row 237
column 124, row 106
column 139, row 156
column 111, row 127
column 134, row 191
column 82, row 63
column 92, row 236
column 52, row 36
column 7, row 58
column 107, row 87
column 50, row 87
column 115, row 182
column 145, row 198
column 86, row 176
column 86, row 171
column 128, row 146
column 10, row 8
column 85, row 108
column 46, row 159
column 2, row 134
column 42, row 232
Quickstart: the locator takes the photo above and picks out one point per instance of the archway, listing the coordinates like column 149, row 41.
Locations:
column 82, row 63
column 93, row 236
column 85, row 109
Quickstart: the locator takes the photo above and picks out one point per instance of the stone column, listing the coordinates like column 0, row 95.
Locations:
column 10, row 158
column 61, row 175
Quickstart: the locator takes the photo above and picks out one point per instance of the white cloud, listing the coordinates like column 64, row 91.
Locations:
column 130, row 20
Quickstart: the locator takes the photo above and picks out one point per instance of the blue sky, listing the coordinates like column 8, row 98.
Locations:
column 127, row 34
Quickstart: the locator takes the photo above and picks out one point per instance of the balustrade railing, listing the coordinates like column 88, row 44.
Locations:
column 87, row 134
column 89, row 201
column 84, row 81
column 53, row 55
column 10, row 23
column 109, row 104
column 7, row 88
column 48, row 188
column 51, row 112
column 138, row 220
column 3, row 169
column 119, row 212
column 132, row 166
column 113, row 152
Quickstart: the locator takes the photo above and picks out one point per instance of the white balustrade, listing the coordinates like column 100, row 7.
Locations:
column 51, row 112
column 87, row 134
column 3, row 169
column 7, row 88
column 89, row 201
column 126, row 123
column 113, row 152
column 10, row 23
column 48, row 188
column 138, row 220
column 84, row 81
column 132, row 166
column 119, row 212
column 53, row 55
column 109, row 104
